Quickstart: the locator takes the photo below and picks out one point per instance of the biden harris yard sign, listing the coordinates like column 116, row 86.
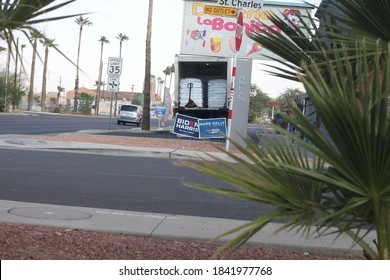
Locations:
column 186, row 126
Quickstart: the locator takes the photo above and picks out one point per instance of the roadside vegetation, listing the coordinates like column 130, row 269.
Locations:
column 338, row 179
column 23, row 17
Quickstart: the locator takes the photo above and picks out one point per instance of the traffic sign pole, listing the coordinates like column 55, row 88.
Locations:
column 114, row 70
column 239, row 32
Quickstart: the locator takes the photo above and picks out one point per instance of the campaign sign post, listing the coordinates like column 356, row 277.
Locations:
column 160, row 111
column 212, row 128
column 186, row 126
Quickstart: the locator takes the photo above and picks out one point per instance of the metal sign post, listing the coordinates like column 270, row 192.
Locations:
column 239, row 32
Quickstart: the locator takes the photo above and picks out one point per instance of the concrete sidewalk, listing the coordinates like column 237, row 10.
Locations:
column 151, row 224
column 166, row 226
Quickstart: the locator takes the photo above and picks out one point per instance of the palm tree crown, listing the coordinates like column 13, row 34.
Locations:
column 121, row 37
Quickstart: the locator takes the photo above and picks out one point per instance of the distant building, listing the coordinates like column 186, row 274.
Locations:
column 105, row 95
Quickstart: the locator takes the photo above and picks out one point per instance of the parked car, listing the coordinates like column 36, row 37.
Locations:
column 130, row 114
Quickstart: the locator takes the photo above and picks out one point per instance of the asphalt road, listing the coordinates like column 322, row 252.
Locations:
column 36, row 123
column 122, row 183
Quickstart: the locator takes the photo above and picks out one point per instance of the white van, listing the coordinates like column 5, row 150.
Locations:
column 130, row 114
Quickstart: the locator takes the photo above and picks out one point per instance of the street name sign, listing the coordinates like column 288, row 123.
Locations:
column 251, row 4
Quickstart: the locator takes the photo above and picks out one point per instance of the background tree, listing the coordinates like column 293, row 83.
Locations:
column 86, row 101
column 34, row 37
column 171, row 72
column 159, row 86
column 47, row 43
column 15, row 79
column 289, row 95
column 25, row 16
column 17, row 15
column 81, row 21
column 146, row 111
column 22, row 46
column 9, row 94
column 59, row 90
column 121, row 37
column 103, row 40
column 258, row 104
column 98, row 84
column 167, row 72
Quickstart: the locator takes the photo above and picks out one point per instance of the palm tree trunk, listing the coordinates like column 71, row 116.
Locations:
column 99, row 79
column 31, row 91
column 382, row 217
column 43, row 94
column 146, row 113
column 16, row 63
column 99, row 88
column 76, row 86
column 21, row 63
column 170, row 82
column 116, row 93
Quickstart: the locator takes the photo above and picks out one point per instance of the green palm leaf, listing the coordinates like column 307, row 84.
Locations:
column 339, row 179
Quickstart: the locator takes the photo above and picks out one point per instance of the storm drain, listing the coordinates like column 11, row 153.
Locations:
column 49, row 213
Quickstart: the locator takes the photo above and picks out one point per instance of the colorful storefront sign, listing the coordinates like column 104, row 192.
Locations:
column 208, row 30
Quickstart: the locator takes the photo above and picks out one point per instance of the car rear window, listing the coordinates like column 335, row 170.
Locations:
column 129, row 108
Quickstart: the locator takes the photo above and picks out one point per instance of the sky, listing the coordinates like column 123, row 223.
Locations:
column 109, row 18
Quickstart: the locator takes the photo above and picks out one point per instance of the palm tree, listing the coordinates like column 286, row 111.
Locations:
column 59, row 90
column 159, row 86
column 98, row 84
column 16, row 63
column 172, row 70
column 22, row 46
column 146, row 114
column 103, row 40
column 25, row 15
column 47, row 43
column 167, row 72
column 121, row 37
column 34, row 39
column 81, row 21
column 339, row 179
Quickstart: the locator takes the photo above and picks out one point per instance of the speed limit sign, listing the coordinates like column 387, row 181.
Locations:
column 114, row 66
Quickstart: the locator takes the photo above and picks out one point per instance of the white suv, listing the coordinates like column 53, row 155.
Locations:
column 130, row 114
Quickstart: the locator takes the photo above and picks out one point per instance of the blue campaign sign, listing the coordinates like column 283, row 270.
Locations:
column 160, row 110
column 212, row 128
column 186, row 126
